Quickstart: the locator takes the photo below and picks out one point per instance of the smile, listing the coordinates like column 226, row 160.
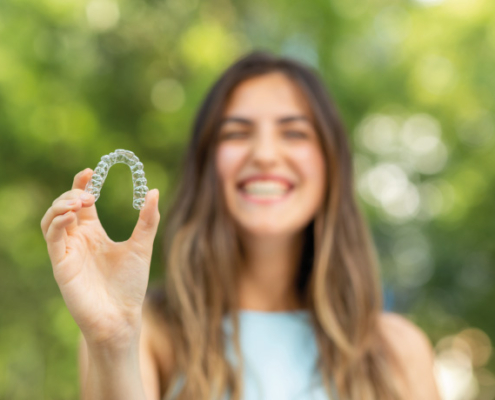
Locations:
column 265, row 195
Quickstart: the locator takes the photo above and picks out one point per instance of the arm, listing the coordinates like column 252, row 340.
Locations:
column 103, row 284
column 415, row 354
column 128, row 373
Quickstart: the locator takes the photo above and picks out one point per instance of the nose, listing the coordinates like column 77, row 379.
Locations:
column 266, row 148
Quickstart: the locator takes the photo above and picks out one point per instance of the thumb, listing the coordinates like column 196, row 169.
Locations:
column 145, row 230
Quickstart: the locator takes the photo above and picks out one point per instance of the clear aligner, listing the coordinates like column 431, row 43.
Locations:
column 120, row 156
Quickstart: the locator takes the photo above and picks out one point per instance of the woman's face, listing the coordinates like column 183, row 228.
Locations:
column 269, row 158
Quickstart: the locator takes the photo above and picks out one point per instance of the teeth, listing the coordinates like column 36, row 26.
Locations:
column 265, row 188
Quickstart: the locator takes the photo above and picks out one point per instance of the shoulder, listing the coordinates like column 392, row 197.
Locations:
column 407, row 339
column 399, row 330
column 414, row 352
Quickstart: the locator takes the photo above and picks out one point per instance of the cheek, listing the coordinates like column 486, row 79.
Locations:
column 311, row 163
column 228, row 160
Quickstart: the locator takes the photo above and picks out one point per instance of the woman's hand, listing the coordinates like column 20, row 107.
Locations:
column 102, row 282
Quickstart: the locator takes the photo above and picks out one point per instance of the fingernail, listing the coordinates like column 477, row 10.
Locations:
column 70, row 203
column 85, row 196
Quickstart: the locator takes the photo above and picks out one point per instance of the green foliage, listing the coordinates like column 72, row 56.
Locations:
column 414, row 82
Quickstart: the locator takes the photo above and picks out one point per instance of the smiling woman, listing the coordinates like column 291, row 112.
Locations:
column 271, row 289
column 273, row 265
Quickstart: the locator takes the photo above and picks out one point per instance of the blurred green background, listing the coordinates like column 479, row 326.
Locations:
column 414, row 81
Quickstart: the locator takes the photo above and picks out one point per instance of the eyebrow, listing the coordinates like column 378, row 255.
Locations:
column 246, row 121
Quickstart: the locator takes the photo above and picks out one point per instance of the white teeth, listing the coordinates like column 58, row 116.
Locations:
column 265, row 188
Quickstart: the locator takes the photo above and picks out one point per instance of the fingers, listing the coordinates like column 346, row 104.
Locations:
column 149, row 217
column 71, row 194
column 80, row 181
column 65, row 214
column 59, row 208
column 60, row 205
column 79, row 184
column 82, row 178
column 63, row 204
column 56, row 236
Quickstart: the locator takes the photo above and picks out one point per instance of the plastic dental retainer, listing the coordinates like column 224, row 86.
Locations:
column 125, row 157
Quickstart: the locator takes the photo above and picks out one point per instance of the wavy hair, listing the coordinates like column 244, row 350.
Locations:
column 338, row 278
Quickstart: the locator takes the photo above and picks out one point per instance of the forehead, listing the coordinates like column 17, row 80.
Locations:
column 271, row 95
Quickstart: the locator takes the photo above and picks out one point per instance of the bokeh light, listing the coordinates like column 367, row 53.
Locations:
column 167, row 95
column 457, row 366
column 102, row 14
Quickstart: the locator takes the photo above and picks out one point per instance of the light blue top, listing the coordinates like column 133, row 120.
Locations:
column 280, row 353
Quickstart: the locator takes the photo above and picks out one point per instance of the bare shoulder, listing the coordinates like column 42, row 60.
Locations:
column 402, row 331
column 155, row 333
column 415, row 353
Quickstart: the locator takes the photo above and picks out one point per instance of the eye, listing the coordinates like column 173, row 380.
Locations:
column 232, row 134
column 296, row 134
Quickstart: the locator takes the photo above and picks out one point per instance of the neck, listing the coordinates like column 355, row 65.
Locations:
column 267, row 279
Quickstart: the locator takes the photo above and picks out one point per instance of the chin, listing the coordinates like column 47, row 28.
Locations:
column 264, row 230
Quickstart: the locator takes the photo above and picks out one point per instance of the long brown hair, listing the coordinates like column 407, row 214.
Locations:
column 338, row 277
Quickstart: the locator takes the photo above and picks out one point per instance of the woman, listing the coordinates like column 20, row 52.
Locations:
column 271, row 288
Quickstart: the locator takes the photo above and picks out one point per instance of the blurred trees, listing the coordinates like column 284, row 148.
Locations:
column 414, row 81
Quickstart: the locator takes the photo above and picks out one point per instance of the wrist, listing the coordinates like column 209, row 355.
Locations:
column 118, row 344
column 112, row 354
column 113, row 372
